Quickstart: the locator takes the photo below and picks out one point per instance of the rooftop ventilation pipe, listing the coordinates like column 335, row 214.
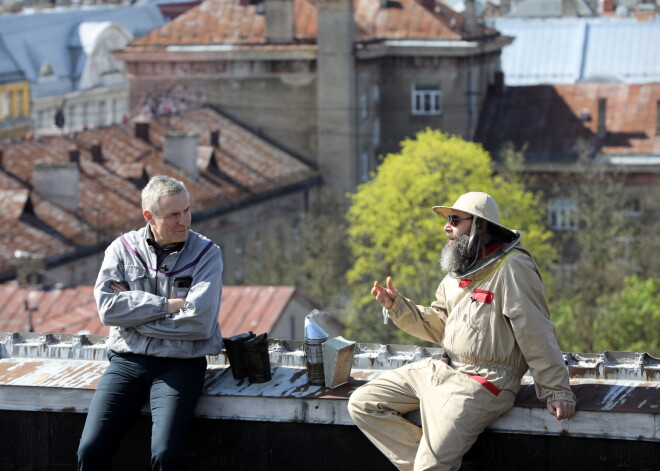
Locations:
column 59, row 183
column 180, row 149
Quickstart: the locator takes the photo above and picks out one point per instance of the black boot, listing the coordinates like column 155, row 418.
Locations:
column 257, row 359
column 234, row 348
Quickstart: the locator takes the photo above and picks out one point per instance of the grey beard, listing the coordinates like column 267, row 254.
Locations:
column 454, row 258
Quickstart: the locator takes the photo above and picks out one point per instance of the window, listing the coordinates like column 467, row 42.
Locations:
column 632, row 207
column 19, row 103
column 375, row 93
column 114, row 111
column 102, row 118
column 364, row 105
column 426, row 100
column 5, row 105
column 238, row 264
column 375, row 132
column 364, row 167
column 85, row 115
column 72, row 118
column 562, row 214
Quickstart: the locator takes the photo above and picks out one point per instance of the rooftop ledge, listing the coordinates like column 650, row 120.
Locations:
column 618, row 392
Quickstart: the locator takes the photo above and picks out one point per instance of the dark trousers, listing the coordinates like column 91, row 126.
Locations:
column 172, row 386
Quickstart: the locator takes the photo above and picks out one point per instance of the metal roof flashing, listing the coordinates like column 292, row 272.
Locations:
column 618, row 392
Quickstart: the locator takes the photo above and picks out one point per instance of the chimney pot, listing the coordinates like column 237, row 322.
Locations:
column 142, row 131
column 97, row 153
column 602, row 127
column 215, row 138
column 74, row 155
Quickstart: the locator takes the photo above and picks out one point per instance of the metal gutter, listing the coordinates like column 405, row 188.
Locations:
column 618, row 392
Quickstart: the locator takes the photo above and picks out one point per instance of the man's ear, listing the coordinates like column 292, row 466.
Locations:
column 147, row 215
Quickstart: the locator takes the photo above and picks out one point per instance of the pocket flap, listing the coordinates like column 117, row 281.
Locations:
column 482, row 296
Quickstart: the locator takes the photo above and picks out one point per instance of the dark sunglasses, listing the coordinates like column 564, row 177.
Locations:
column 453, row 219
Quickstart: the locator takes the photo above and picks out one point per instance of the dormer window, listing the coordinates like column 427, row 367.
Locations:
column 46, row 70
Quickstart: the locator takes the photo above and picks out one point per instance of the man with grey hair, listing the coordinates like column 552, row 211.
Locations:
column 159, row 290
column 492, row 320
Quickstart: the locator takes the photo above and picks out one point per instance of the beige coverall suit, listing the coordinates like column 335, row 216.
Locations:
column 493, row 327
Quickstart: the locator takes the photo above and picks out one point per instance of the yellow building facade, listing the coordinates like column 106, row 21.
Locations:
column 14, row 110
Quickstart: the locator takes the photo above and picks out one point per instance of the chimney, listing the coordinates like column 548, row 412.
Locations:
column 142, row 131
column 180, row 149
column 97, row 153
column 215, row 138
column 498, row 86
column 59, row 183
column 336, row 81
column 280, row 21
column 602, row 128
column 74, row 155
column 470, row 14
column 30, row 269
column 568, row 8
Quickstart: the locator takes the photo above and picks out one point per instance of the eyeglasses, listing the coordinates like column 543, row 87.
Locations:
column 453, row 219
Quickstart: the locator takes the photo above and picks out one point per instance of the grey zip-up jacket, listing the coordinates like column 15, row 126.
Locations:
column 494, row 324
column 138, row 318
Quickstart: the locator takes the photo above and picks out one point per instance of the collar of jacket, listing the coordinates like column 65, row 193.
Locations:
column 484, row 264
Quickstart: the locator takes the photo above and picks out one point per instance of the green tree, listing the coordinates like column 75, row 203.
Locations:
column 629, row 319
column 393, row 231
column 591, row 261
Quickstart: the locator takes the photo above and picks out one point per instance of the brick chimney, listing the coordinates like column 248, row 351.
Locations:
column 280, row 21
column 180, row 149
column 142, row 131
column 59, row 183
column 602, row 126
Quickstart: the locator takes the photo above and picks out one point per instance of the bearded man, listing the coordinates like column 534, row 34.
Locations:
column 492, row 320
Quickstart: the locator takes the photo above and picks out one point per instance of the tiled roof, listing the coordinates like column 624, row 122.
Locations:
column 550, row 119
column 73, row 310
column 243, row 166
column 229, row 22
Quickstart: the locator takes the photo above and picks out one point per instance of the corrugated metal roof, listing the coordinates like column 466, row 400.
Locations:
column 73, row 309
column 619, row 399
column 548, row 9
column 577, row 50
column 242, row 166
